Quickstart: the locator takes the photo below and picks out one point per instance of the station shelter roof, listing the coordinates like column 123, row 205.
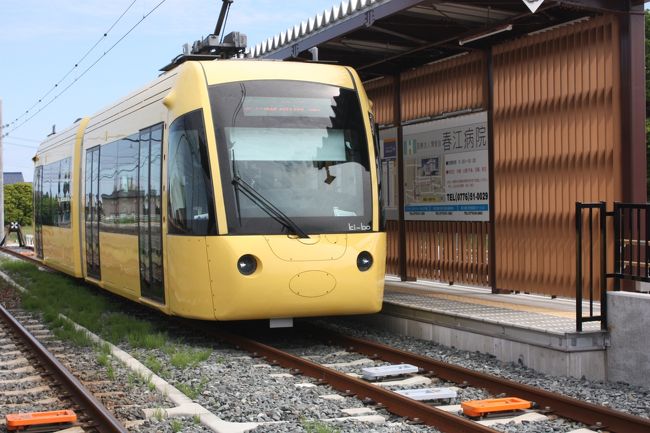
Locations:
column 384, row 37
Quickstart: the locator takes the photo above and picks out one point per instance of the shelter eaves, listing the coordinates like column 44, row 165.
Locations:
column 381, row 37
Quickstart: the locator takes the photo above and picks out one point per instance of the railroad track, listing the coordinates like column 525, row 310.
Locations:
column 595, row 416
column 26, row 254
column 56, row 385
column 600, row 417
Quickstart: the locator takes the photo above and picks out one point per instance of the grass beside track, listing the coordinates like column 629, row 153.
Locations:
column 51, row 294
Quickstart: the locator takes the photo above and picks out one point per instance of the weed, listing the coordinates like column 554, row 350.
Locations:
column 122, row 327
column 154, row 364
column 186, row 389
column 103, row 354
column 147, row 340
column 69, row 333
column 103, row 359
column 196, row 419
column 176, row 425
column 317, row 427
column 193, row 391
column 187, row 357
column 150, row 384
column 159, row 414
column 105, row 348
column 110, row 372
column 133, row 379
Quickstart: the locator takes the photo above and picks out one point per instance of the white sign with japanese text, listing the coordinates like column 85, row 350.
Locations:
column 446, row 169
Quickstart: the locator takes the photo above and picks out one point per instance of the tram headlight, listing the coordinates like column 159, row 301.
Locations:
column 247, row 264
column 364, row 261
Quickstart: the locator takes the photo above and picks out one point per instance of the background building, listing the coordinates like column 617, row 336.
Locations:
column 11, row 177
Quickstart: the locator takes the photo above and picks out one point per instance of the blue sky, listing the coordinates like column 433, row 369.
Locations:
column 40, row 41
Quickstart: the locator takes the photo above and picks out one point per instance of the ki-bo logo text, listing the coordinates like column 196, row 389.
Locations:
column 358, row 227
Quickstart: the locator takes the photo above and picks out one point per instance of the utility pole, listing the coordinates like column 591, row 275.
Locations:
column 2, row 185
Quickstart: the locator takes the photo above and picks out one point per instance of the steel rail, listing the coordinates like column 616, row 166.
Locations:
column 567, row 407
column 14, row 253
column 395, row 403
column 103, row 420
column 571, row 408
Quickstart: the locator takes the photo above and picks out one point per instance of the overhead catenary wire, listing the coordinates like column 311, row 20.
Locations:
column 28, row 167
column 26, row 146
column 67, row 74
column 88, row 68
column 33, row 140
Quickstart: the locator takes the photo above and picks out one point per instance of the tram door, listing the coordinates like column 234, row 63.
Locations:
column 150, row 214
column 38, row 209
column 91, row 196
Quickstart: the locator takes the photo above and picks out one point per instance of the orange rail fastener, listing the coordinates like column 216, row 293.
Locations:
column 20, row 421
column 479, row 408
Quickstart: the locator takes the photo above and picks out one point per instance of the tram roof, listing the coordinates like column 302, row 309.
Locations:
column 382, row 37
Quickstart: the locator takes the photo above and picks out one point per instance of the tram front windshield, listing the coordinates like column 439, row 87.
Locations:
column 299, row 148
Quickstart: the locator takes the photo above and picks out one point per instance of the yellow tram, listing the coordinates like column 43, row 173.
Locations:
column 223, row 190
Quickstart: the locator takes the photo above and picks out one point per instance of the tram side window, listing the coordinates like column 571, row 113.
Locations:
column 54, row 196
column 126, row 216
column 118, row 186
column 64, row 195
column 191, row 209
column 38, row 174
column 46, row 208
column 55, row 188
column 107, row 187
column 51, row 185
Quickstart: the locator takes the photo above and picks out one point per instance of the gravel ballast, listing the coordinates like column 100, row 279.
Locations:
column 620, row 396
column 239, row 388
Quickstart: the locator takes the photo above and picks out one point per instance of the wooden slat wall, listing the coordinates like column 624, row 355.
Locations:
column 557, row 141
column 435, row 250
column 443, row 87
column 382, row 94
column 445, row 251
column 448, row 251
column 392, row 248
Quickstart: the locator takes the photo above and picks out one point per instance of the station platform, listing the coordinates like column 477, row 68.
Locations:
column 538, row 332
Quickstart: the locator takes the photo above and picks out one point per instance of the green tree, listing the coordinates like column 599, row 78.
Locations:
column 18, row 203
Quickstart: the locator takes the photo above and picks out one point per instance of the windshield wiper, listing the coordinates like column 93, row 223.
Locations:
column 267, row 206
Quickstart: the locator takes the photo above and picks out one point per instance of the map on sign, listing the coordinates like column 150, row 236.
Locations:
column 533, row 4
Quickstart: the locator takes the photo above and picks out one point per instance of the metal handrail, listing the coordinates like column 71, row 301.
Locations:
column 631, row 224
column 602, row 214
